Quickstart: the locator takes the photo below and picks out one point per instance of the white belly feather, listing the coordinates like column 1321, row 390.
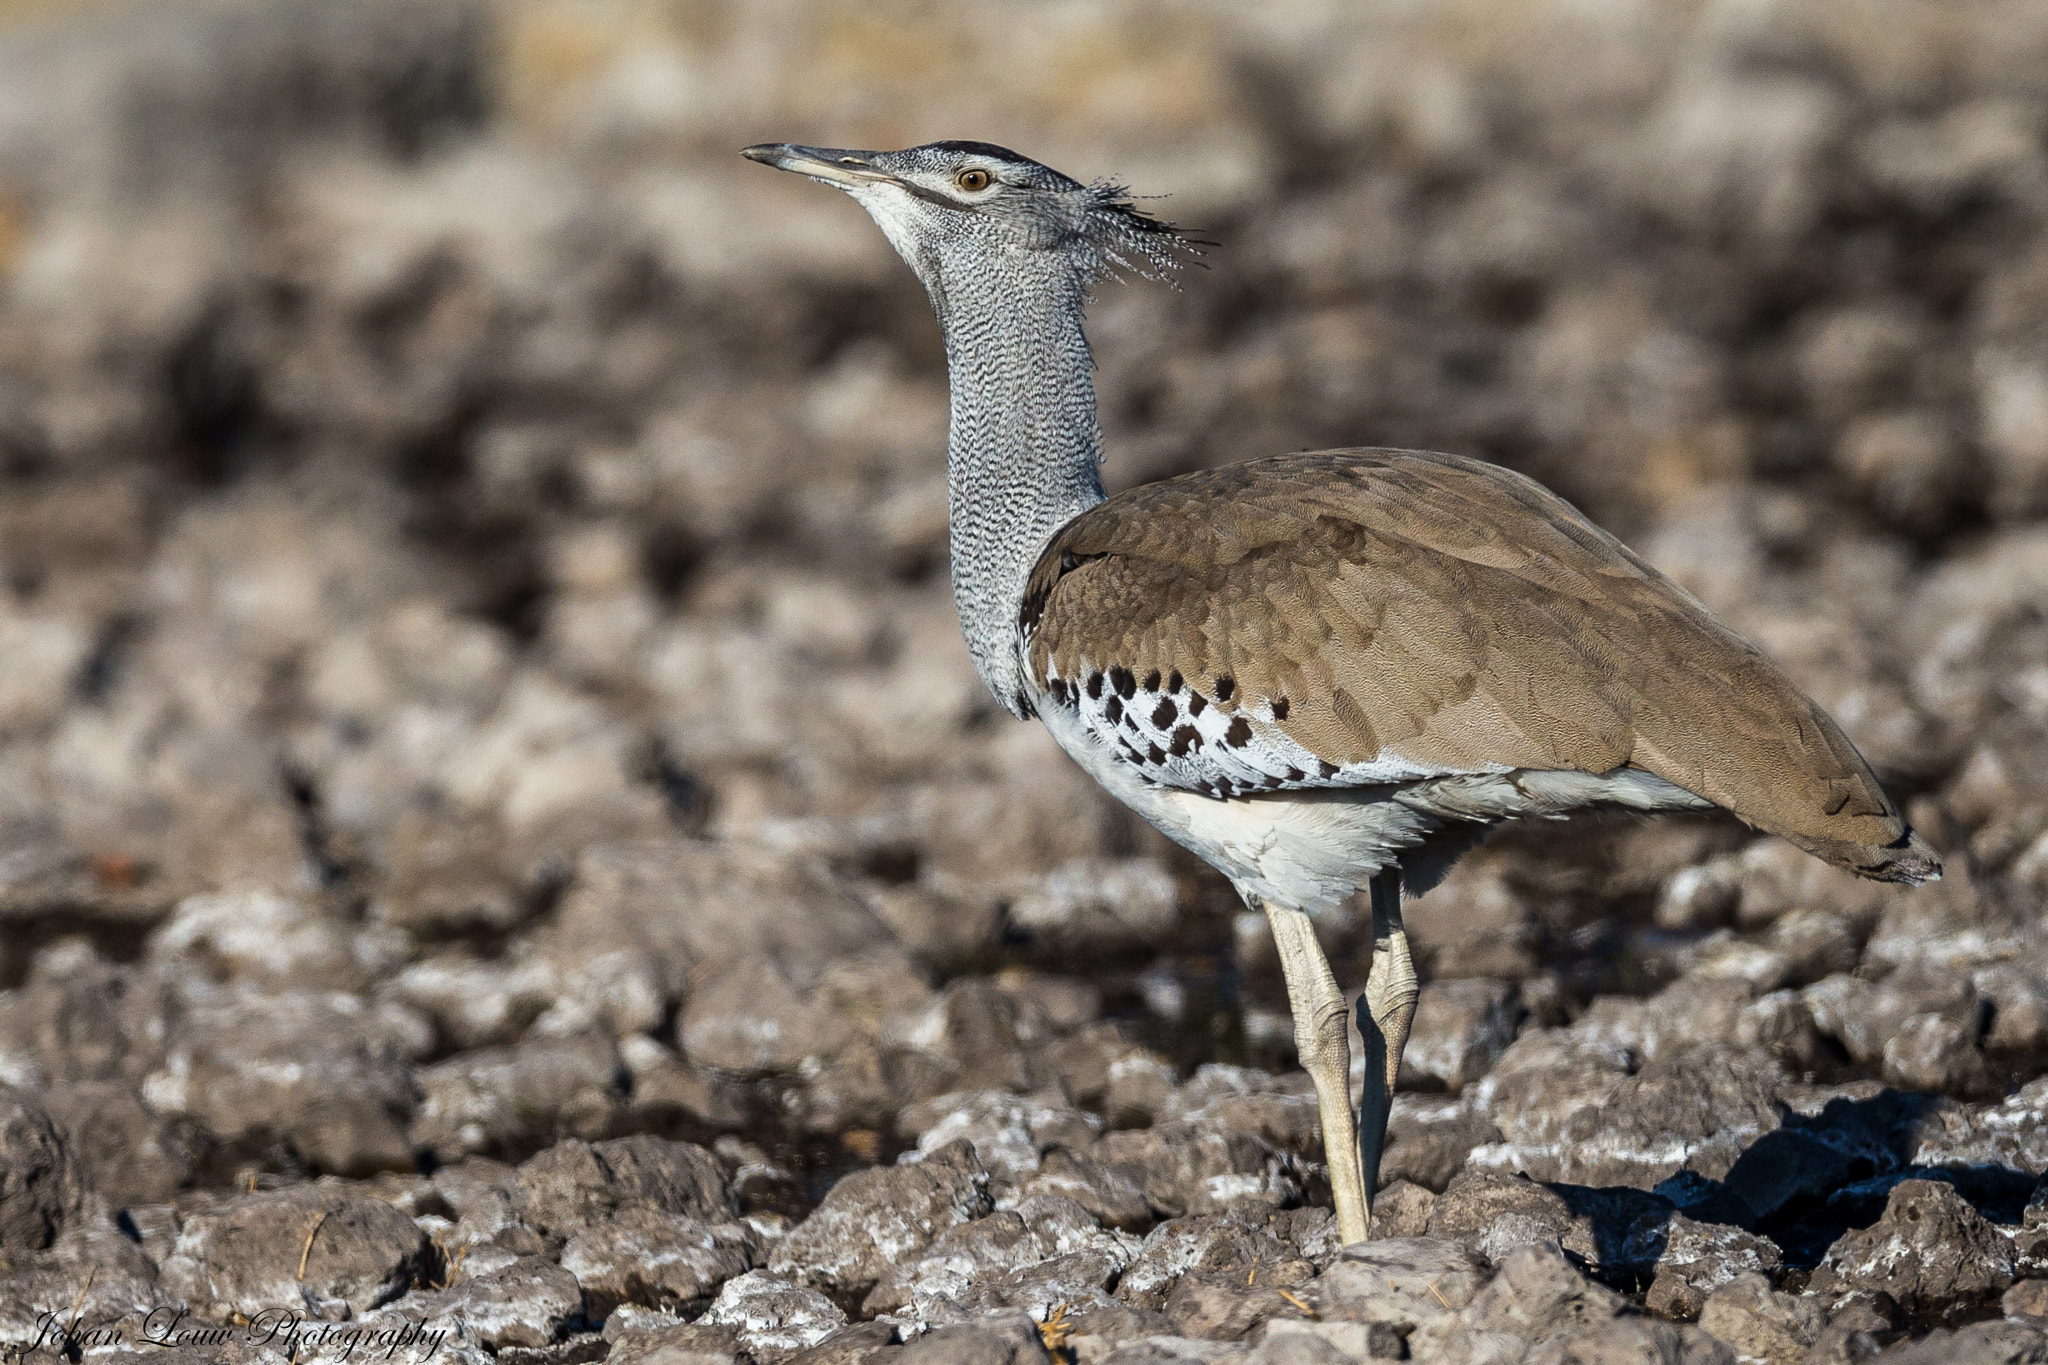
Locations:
column 1312, row 849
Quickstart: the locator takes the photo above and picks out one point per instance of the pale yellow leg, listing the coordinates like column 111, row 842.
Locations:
column 1321, row 1037
column 1385, row 1011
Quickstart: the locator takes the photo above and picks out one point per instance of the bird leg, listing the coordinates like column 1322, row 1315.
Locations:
column 1322, row 1039
column 1385, row 1011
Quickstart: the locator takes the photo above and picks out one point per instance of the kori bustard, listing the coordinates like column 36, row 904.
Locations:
column 1318, row 672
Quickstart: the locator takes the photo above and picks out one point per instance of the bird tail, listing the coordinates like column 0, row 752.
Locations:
column 1906, row 859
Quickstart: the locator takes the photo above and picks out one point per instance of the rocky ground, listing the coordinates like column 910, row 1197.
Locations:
column 499, row 834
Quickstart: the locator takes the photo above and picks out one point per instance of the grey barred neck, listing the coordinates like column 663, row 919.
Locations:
column 1023, row 447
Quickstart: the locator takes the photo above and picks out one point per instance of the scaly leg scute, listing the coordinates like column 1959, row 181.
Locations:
column 1385, row 1011
column 1322, row 1038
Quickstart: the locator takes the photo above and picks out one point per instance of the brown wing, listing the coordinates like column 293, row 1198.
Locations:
column 1402, row 609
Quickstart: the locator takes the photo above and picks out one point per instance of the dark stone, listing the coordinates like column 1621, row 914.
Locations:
column 1010, row 1339
column 1787, row 1168
column 531, row 1303
column 877, row 1218
column 1761, row 1323
column 1218, row 1305
column 1694, row 1110
column 575, row 1184
column 244, row 1255
column 1206, row 1243
column 1431, row 1150
column 643, row 1255
column 41, row 1185
column 1495, row 1214
column 1109, row 1190
column 133, row 1156
column 1401, row 1282
column 855, row 1344
column 1687, row 1261
column 1931, row 1253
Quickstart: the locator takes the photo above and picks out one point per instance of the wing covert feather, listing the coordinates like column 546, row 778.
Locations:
column 1445, row 612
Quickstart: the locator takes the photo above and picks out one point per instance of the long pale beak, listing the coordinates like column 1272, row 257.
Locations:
column 829, row 165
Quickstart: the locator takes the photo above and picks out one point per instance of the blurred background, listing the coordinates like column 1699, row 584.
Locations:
column 474, row 618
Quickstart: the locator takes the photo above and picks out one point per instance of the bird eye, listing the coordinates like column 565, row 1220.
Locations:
column 972, row 181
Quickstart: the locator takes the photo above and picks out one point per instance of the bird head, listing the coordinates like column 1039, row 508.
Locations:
column 950, row 204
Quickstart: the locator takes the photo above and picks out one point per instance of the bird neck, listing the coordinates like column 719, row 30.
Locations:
column 1023, row 447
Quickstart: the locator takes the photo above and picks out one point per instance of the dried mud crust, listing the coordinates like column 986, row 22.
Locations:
column 498, row 828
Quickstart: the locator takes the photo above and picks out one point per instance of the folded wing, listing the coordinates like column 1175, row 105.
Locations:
column 1357, row 616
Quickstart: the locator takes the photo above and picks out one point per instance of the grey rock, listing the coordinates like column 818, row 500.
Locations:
column 154, row 1227
column 1780, row 1025
column 1980, row 1343
column 482, row 1196
column 1536, row 1296
column 1290, row 1341
column 1310, row 1231
column 981, row 1035
column 855, row 1344
column 531, row 1303
column 1192, row 1170
column 645, row 1255
column 1137, row 1083
column 1009, row 1133
column 1046, row 1251
column 91, row 1271
column 473, row 1003
column 574, row 1185
column 132, row 1156
column 503, row 1099
column 1931, row 1252
column 669, row 1094
column 1401, row 1209
column 1934, row 1052
column 41, row 1184
column 1814, row 943
column 874, row 1219
column 682, row 902
column 1430, row 1140
column 1112, row 1193
column 66, row 1022
column 1217, row 1305
column 1278, row 1110
column 2012, row 1133
column 2026, row 1299
column 752, row 1019
column 1542, row 1080
column 1066, row 1004
column 1493, row 1215
column 1160, row 1348
column 244, row 1255
column 1624, row 1341
column 271, row 941
column 1403, row 1282
column 1688, row 1260
column 1864, row 1017
column 1008, row 1339
column 1759, row 1322
column 333, row 1079
column 1098, row 903
column 774, row 1317
column 1461, row 1028
column 1696, row 1110
column 2019, row 1006
column 675, row 1343
column 1200, row 1243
